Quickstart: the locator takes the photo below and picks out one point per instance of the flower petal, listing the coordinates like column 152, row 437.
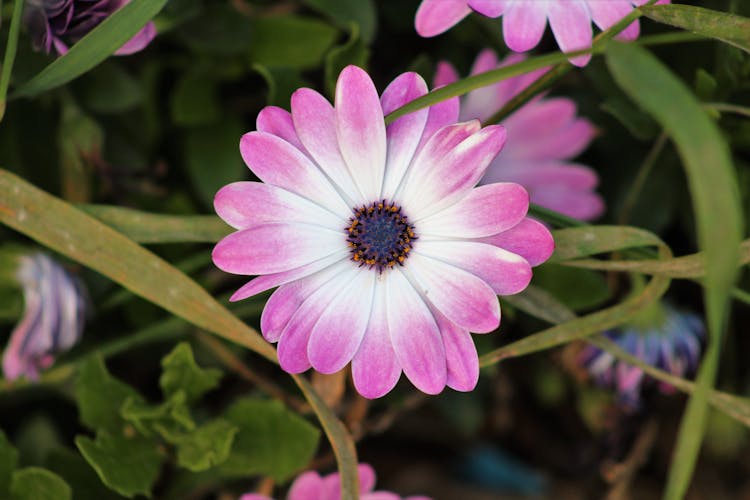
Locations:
column 536, row 121
column 285, row 301
column 445, row 74
column 338, row 333
column 450, row 164
column 460, row 354
column 530, row 239
column 307, row 486
column 246, row 204
column 489, row 8
column 571, row 24
column 507, row 273
column 374, row 368
column 315, row 122
column 277, row 162
column 463, row 298
column 275, row 247
column 607, row 14
column 139, row 41
column 268, row 281
column 292, row 348
column 404, row 134
column 437, row 16
column 523, row 24
column 361, row 130
column 277, row 121
column 482, row 102
column 485, row 211
column 415, row 335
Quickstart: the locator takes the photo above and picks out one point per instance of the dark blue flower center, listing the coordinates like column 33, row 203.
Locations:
column 379, row 235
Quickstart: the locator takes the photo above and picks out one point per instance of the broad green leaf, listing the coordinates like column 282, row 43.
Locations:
column 8, row 463
column 208, row 446
column 181, row 373
column 95, row 47
column 347, row 12
column 83, row 480
column 282, row 82
column 170, row 418
column 212, row 156
column 713, row 188
column 577, row 242
column 271, row 440
column 729, row 28
column 35, row 483
column 145, row 227
column 100, row 396
column 305, row 41
column 640, row 125
column 218, row 31
column 576, row 288
column 129, row 466
column 354, row 51
column 110, row 89
column 62, row 227
column 194, row 100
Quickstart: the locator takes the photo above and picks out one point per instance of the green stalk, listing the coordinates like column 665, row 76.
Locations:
column 10, row 53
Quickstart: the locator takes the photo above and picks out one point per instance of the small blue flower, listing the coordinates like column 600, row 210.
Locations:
column 670, row 340
column 53, row 318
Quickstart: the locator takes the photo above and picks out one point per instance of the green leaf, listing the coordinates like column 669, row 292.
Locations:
column 729, row 28
column 354, row 51
column 218, row 30
column 84, row 481
column 639, row 124
column 145, row 227
column 347, row 12
column 128, row 466
column 95, row 47
column 181, row 373
column 213, row 158
column 713, row 188
column 110, row 89
column 194, row 100
column 576, row 288
column 35, row 483
column 271, row 440
column 281, row 82
column 8, row 463
column 100, row 396
column 305, row 41
column 170, row 418
column 209, row 445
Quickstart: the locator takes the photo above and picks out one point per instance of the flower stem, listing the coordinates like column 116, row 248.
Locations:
column 10, row 53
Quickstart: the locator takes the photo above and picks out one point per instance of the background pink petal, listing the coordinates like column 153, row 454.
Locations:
column 607, row 14
column 437, row 16
column 524, row 24
column 489, row 8
column 571, row 25
column 307, row 486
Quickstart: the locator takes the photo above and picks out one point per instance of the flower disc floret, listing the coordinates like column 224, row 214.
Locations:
column 385, row 252
column 380, row 235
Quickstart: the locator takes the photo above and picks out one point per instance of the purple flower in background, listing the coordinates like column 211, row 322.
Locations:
column 311, row 486
column 384, row 252
column 53, row 319
column 524, row 21
column 56, row 24
column 669, row 340
column 543, row 136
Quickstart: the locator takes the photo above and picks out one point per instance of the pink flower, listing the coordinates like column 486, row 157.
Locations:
column 524, row 21
column 384, row 251
column 543, row 136
column 53, row 318
column 310, row 486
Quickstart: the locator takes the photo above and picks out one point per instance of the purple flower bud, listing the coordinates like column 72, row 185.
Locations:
column 54, row 24
column 53, row 319
column 672, row 342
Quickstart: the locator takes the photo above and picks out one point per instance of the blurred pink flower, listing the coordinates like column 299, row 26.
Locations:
column 53, row 318
column 543, row 136
column 310, row 486
column 384, row 251
column 524, row 21
column 55, row 24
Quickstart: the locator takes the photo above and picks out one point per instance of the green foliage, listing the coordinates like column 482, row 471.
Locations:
column 207, row 446
column 346, row 13
column 128, row 465
column 8, row 463
column 34, row 483
column 271, row 440
column 181, row 373
column 354, row 51
column 305, row 41
column 194, row 100
column 100, row 396
column 110, row 89
column 576, row 288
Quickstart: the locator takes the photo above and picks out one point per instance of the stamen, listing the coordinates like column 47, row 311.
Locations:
column 379, row 235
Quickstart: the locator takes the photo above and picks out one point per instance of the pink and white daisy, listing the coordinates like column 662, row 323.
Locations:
column 524, row 21
column 543, row 136
column 384, row 251
column 310, row 486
